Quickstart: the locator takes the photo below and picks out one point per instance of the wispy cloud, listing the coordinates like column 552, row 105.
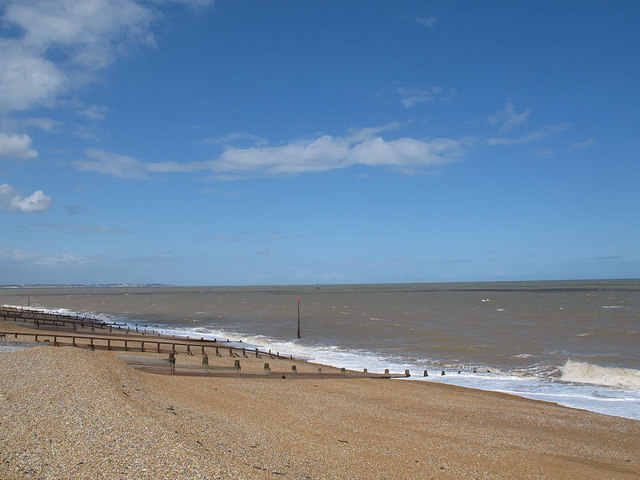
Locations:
column 538, row 134
column 48, row 125
column 16, row 146
column 244, row 237
column 429, row 22
column 410, row 97
column 111, row 164
column 364, row 147
column 508, row 118
column 586, row 144
column 74, row 228
column 232, row 237
column 234, row 138
column 93, row 112
column 41, row 258
column 12, row 200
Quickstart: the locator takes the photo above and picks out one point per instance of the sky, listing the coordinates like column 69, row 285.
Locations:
column 249, row 142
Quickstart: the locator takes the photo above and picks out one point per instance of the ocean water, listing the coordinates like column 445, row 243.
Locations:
column 575, row 343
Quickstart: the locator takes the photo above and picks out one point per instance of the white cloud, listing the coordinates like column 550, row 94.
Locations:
column 12, row 200
column 508, row 118
column 92, row 33
column 112, row 164
column 62, row 43
column 27, row 78
column 16, row 146
column 50, row 47
column 364, row 147
column 542, row 132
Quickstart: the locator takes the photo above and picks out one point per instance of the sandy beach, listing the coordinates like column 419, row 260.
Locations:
column 74, row 413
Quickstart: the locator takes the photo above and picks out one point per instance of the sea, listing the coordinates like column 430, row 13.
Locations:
column 575, row 343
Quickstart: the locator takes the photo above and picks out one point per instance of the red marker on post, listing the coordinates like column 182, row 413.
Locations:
column 298, row 317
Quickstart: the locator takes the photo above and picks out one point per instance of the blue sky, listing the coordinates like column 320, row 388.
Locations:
column 288, row 142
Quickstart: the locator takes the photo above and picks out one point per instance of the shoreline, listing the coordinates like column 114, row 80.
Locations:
column 608, row 400
column 68, row 411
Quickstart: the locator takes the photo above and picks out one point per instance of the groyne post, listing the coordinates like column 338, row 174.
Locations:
column 172, row 363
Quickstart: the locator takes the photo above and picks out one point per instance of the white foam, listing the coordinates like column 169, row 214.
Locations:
column 582, row 372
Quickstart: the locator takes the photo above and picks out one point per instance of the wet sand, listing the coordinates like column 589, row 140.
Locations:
column 73, row 413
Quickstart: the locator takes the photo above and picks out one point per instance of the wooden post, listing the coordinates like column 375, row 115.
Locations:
column 386, row 371
column 205, row 360
column 172, row 363
column 298, row 317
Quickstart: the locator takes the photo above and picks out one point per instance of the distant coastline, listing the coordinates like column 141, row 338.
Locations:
column 581, row 281
column 88, row 285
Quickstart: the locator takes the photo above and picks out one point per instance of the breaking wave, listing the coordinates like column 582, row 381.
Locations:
column 582, row 372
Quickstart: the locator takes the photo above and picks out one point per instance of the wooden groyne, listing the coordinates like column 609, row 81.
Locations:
column 139, row 344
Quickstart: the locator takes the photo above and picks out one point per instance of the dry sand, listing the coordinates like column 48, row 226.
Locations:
column 73, row 413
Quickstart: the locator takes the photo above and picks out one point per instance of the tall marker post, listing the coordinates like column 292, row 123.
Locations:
column 298, row 317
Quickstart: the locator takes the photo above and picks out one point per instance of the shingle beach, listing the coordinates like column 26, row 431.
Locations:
column 69, row 412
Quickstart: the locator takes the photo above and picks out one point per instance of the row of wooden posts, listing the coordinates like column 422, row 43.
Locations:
column 137, row 344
